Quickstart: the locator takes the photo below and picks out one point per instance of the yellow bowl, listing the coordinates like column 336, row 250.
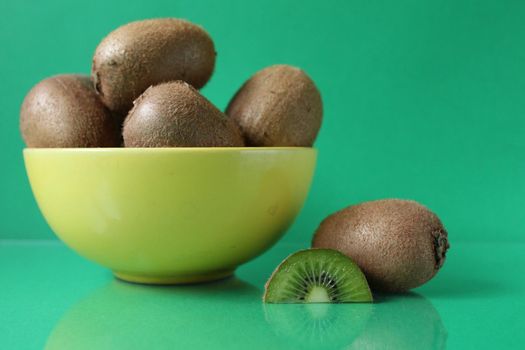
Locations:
column 170, row 215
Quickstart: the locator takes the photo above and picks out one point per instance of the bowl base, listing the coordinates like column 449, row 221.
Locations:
column 171, row 280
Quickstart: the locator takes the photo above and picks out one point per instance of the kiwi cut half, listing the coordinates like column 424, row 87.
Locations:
column 317, row 276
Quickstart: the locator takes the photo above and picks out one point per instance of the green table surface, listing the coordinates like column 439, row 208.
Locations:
column 52, row 298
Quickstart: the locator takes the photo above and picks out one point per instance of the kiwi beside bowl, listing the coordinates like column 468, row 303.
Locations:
column 170, row 215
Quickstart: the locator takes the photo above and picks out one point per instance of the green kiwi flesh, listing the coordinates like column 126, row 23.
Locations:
column 317, row 276
column 399, row 244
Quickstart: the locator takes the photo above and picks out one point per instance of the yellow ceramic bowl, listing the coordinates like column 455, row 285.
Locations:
column 170, row 215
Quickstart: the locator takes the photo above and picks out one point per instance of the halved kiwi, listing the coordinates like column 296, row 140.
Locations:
column 317, row 276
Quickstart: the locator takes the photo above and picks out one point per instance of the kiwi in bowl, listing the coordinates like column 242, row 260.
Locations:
column 148, row 52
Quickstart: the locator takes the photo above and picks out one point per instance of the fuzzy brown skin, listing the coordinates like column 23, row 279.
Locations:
column 174, row 114
column 65, row 111
column 144, row 53
column 278, row 106
column 399, row 244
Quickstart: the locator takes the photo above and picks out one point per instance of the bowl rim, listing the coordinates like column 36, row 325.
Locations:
column 168, row 149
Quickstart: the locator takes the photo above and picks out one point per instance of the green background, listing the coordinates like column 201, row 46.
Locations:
column 423, row 99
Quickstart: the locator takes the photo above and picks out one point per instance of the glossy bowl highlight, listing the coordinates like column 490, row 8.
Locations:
column 170, row 215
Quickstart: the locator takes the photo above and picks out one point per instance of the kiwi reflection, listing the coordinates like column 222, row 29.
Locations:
column 406, row 321
column 125, row 316
column 313, row 326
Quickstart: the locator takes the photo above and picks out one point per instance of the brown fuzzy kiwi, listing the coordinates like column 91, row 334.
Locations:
column 144, row 53
column 65, row 111
column 278, row 106
column 174, row 114
column 399, row 244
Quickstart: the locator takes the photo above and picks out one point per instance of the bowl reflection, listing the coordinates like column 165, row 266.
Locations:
column 125, row 316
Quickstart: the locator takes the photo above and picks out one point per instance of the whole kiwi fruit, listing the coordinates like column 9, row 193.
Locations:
column 174, row 114
column 65, row 111
column 278, row 106
column 399, row 244
column 148, row 52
